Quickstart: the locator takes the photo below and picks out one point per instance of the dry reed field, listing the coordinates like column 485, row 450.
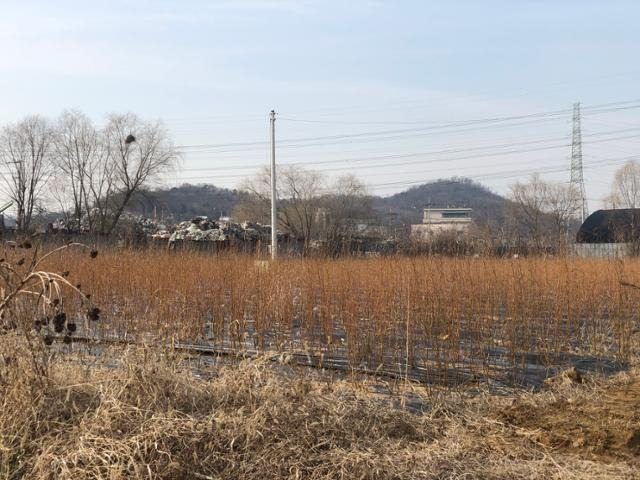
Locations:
column 434, row 320
column 431, row 368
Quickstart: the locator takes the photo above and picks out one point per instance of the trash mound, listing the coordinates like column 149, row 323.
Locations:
column 129, row 222
column 202, row 229
column 199, row 229
column 604, row 427
column 71, row 225
column 140, row 225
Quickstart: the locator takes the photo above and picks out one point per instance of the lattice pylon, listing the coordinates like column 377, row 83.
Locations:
column 577, row 177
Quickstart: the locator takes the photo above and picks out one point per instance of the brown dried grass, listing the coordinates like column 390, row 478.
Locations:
column 447, row 315
column 150, row 417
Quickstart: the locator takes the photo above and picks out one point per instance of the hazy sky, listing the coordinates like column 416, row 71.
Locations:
column 360, row 86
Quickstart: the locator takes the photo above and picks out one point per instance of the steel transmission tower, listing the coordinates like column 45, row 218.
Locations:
column 577, row 178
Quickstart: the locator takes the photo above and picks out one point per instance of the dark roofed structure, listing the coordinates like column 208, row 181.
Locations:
column 620, row 225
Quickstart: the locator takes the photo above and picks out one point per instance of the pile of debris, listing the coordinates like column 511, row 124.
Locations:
column 141, row 225
column 201, row 229
column 70, row 225
column 128, row 223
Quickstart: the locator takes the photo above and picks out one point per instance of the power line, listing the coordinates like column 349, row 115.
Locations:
column 383, row 132
column 363, row 140
column 423, row 122
column 394, row 134
column 496, row 175
column 434, row 152
column 420, row 162
column 516, row 173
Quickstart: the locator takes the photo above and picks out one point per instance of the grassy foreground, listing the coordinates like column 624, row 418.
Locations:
column 142, row 414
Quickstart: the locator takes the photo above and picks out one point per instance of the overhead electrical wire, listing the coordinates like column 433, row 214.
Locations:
column 393, row 134
column 497, row 175
column 505, row 118
column 427, row 128
column 419, row 162
column 434, row 152
column 516, row 173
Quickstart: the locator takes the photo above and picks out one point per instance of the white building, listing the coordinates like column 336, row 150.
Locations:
column 440, row 220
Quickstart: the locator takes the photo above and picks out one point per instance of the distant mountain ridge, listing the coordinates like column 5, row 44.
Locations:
column 188, row 201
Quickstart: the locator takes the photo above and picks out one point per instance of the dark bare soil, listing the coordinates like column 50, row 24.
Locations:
column 604, row 428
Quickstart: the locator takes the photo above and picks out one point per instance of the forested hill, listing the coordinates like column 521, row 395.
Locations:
column 185, row 202
column 488, row 207
column 188, row 201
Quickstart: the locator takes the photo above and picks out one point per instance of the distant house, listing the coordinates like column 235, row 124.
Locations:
column 440, row 220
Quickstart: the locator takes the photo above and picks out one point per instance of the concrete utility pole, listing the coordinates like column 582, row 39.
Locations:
column 274, row 216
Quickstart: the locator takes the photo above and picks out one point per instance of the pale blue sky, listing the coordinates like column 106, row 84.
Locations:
column 212, row 71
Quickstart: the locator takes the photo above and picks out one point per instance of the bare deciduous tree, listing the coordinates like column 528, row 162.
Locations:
column 25, row 154
column 527, row 207
column 347, row 201
column 543, row 210
column 561, row 205
column 99, row 171
column 625, row 192
column 137, row 151
column 298, row 193
column 307, row 210
column 78, row 153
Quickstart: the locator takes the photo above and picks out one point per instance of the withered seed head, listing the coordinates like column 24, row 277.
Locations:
column 58, row 322
column 94, row 313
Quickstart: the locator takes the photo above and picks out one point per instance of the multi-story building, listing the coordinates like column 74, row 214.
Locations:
column 440, row 220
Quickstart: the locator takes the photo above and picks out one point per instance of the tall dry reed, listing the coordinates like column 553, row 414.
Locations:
column 444, row 319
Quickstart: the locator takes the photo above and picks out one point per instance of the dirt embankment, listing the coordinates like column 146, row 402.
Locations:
column 603, row 428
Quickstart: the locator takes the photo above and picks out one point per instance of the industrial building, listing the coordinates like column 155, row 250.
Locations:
column 621, row 225
column 609, row 233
